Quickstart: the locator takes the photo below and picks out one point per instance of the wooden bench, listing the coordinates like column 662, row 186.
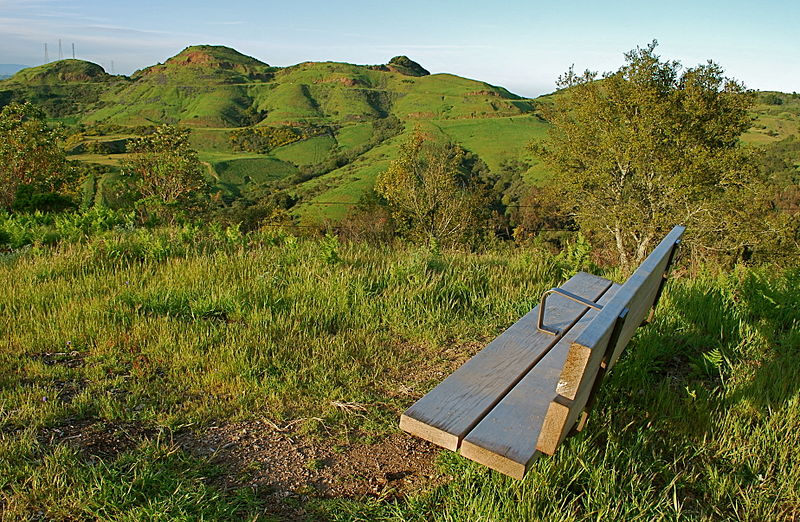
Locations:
column 524, row 393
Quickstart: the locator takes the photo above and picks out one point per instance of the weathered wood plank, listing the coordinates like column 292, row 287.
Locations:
column 448, row 412
column 591, row 349
column 505, row 440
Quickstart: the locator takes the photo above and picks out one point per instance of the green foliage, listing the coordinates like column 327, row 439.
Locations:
column 165, row 170
column 18, row 230
column 329, row 250
column 30, row 154
column 575, row 257
column 263, row 139
column 772, row 99
column 28, row 199
column 653, row 145
column 430, row 193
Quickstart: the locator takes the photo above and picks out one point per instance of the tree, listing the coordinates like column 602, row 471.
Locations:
column 650, row 146
column 31, row 159
column 165, row 170
column 432, row 196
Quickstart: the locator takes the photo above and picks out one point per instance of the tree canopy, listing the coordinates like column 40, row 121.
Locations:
column 433, row 197
column 165, row 169
column 650, row 146
column 30, row 155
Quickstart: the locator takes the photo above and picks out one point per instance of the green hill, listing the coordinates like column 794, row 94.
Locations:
column 62, row 71
column 321, row 131
column 65, row 89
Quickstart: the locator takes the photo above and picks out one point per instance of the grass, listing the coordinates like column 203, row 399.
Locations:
column 173, row 329
column 306, row 152
column 240, row 171
column 494, row 139
column 352, row 136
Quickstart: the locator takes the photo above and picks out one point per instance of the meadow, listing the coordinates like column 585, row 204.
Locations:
column 119, row 344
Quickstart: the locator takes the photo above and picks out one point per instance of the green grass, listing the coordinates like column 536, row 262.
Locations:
column 494, row 139
column 245, row 171
column 169, row 328
column 306, row 152
column 354, row 135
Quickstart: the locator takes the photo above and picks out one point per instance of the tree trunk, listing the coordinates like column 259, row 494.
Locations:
column 642, row 248
column 624, row 259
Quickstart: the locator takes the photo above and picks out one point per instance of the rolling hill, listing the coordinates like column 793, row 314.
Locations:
column 321, row 131
column 349, row 119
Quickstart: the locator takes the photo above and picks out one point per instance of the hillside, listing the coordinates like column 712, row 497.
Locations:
column 347, row 119
column 320, row 131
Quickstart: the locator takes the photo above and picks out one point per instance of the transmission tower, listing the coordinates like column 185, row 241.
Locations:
column 60, row 54
column 73, row 51
column 46, row 58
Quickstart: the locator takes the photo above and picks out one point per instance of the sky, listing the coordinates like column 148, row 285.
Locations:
column 521, row 45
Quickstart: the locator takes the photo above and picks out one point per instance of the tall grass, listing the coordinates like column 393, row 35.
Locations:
column 179, row 328
column 700, row 420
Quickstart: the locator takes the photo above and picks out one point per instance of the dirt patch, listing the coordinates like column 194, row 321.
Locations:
column 261, row 455
column 71, row 359
column 96, row 439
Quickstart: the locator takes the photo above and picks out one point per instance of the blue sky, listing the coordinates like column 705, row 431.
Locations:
column 520, row 45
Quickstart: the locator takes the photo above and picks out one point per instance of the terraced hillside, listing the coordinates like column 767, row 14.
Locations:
column 321, row 131
column 347, row 119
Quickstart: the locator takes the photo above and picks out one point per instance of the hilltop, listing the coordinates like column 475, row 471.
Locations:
column 62, row 71
column 318, row 131
column 209, row 63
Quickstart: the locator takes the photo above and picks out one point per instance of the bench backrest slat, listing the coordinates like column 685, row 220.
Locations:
column 591, row 348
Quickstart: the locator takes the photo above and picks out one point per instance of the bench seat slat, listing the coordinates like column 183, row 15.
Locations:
column 505, row 440
column 448, row 412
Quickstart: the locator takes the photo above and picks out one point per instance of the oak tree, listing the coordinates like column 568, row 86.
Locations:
column 165, row 170
column 433, row 197
column 650, row 146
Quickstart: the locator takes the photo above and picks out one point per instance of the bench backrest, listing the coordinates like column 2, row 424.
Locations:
column 600, row 344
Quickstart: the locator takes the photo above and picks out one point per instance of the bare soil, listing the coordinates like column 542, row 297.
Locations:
column 261, row 455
